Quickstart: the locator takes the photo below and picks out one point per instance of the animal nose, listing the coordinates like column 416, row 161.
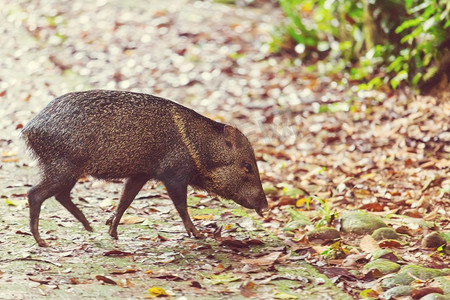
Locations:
column 260, row 211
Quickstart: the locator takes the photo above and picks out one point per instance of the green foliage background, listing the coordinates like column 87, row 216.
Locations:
column 379, row 41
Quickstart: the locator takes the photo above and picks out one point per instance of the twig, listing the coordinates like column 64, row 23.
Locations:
column 32, row 259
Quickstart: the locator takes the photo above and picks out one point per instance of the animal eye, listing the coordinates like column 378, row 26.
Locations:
column 248, row 168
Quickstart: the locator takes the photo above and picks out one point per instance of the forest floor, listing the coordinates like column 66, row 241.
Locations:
column 324, row 148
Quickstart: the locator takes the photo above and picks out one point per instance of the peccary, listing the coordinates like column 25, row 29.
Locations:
column 119, row 134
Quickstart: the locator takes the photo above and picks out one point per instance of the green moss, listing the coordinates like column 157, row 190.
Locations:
column 444, row 284
column 408, row 274
column 385, row 233
column 383, row 265
column 360, row 222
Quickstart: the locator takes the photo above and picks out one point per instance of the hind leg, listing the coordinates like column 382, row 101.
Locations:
column 58, row 178
column 132, row 188
column 36, row 196
column 64, row 198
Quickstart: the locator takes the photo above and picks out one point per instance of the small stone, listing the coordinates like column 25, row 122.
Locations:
column 409, row 273
column 444, row 283
column 433, row 240
column 385, row 233
column 435, row 296
column 324, row 234
column 398, row 291
column 360, row 222
column 384, row 266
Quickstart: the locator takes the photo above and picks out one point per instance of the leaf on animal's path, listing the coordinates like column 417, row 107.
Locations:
column 361, row 193
column 125, row 271
column 368, row 293
column 228, row 226
column 251, row 269
column 115, row 253
column 74, row 281
column 405, row 230
column 419, row 293
column 11, row 202
column 218, row 269
column 285, row 200
column 105, row 279
column 233, row 243
column 22, row 232
column 254, row 242
column 320, row 249
column 247, row 289
column 162, row 238
column 201, row 247
column 203, row 217
column 169, row 277
column 413, row 213
column 368, row 244
column 331, row 272
column 373, row 207
column 9, row 157
column 265, row 260
column 353, row 259
column 157, row 292
column 390, row 244
column 373, row 274
column 41, row 281
column 221, row 278
column 302, row 201
column 167, row 257
column 128, row 220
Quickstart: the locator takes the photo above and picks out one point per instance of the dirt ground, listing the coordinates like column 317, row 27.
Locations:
column 313, row 135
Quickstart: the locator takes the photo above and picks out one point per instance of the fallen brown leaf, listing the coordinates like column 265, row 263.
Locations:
column 265, row 260
column 128, row 220
column 247, row 289
column 368, row 244
column 419, row 293
column 105, row 279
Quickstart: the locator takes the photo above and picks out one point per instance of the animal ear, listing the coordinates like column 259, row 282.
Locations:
column 230, row 136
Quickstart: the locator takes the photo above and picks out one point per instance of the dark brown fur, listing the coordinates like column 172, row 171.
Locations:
column 118, row 134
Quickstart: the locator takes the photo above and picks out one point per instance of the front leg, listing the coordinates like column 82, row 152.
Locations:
column 132, row 188
column 178, row 193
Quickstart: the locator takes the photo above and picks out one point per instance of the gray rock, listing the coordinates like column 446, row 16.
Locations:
column 398, row 291
column 324, row 233
column 385, row 233
column 360, row 222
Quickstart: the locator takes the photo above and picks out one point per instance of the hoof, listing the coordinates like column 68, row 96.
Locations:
column 41, row 243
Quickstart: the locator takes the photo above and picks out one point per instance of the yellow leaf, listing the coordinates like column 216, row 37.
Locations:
column 203, row 217
column 10, row 159
column 368, row 176
column 157, row 292
column 228, row 226
column 7, row 153
column 301, row 202
column 10, row 202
